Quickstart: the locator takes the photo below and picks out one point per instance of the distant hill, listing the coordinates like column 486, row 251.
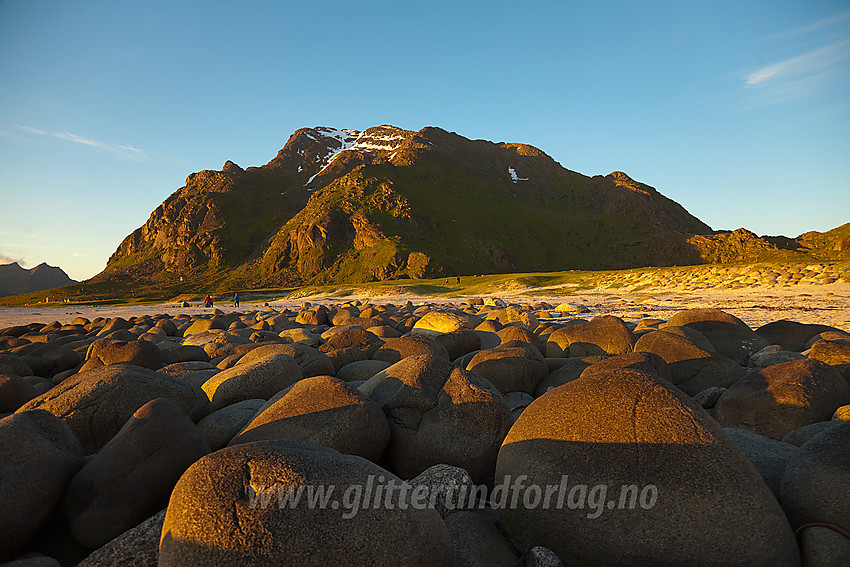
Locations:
column 741, row 245
column 14, row 279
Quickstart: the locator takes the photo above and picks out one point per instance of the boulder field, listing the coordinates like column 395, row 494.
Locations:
column 473, row 434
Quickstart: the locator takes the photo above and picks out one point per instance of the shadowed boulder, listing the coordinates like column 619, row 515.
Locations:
column 411, row 345
column 688, row 486
column 516, row 333
column 40, row 454
column 361, row 370
column 814, row 486
column 325, row 411
column 221, row 426
column 769, row 456
column 514, row 366
column 252, row 379
column 644, row 361
column 137, row 547
column 224, row 511
column 692, row 368
column 311, row 361
column 439, row 414
column 103, row 352
column 567, row 372
column 477, row 542
column 97, row 403
column 14, row 392
column 781, row 398
column 791, row 335
column 195, row 371
column 730, row 336
column 132, row 476
column 12, row 364
column 353, row 337
column 459, row 343
column 48, row 360
column 600, row 335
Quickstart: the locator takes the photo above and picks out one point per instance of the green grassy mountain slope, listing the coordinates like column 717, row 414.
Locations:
column 339, row 206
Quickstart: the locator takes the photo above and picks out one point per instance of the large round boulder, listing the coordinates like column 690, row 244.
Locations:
column 440, row 321
column 833, row 352
column 513, row 314
column 791, row 335
column 361, row 370
column 514, row 366
column 517, row 333
column 132, row 476
column 137, row 547
column 477, row 542
column 221, row 426
column 439, row 414
column 643, row 361
column 353, row 337
column 769, row 456
column 325, row 411
column 730, row 336
column 233, row 508
column 459, row 343
column 411, row 345
column 103, row 352
column 692, row 368
column 48, row 360
column 563, row 373
column 814, row 486
column 312, row 361
column 40, row 454
column 97, row 403
column 12, row 364
column 635, row 474
column 600, row 335
column 252, row 379
column 781, row 398
column 14, row 392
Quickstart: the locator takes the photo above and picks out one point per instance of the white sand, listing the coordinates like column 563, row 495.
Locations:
column 757, row 305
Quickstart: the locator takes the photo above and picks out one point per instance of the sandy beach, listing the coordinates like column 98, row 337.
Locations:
column 756, row 305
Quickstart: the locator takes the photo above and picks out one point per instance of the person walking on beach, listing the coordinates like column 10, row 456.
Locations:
column 208, row 301
column 235, row 300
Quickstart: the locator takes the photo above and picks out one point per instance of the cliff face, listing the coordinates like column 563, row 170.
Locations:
column 741, row 245
column 347, row 206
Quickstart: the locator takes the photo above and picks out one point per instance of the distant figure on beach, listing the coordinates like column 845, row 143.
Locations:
column 235, row 300
column 458, row 279
column 208, row 301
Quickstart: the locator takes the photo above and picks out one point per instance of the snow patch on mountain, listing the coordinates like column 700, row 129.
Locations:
column 514, row 176
column 379, row 139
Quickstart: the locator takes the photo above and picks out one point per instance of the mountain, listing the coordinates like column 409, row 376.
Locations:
column 14, row 279
column 741, row 245
column 338, row 206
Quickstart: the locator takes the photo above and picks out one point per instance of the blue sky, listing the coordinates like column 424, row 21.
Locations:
column 740, row 111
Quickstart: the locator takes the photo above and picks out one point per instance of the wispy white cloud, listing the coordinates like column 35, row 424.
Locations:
column 121, row 150
column 127, row 151
column 823, row 51
column 833, row 21
column 801, row 66
column 78, row 255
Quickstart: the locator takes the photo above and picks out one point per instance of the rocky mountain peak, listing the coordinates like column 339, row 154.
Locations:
column 339, row 205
